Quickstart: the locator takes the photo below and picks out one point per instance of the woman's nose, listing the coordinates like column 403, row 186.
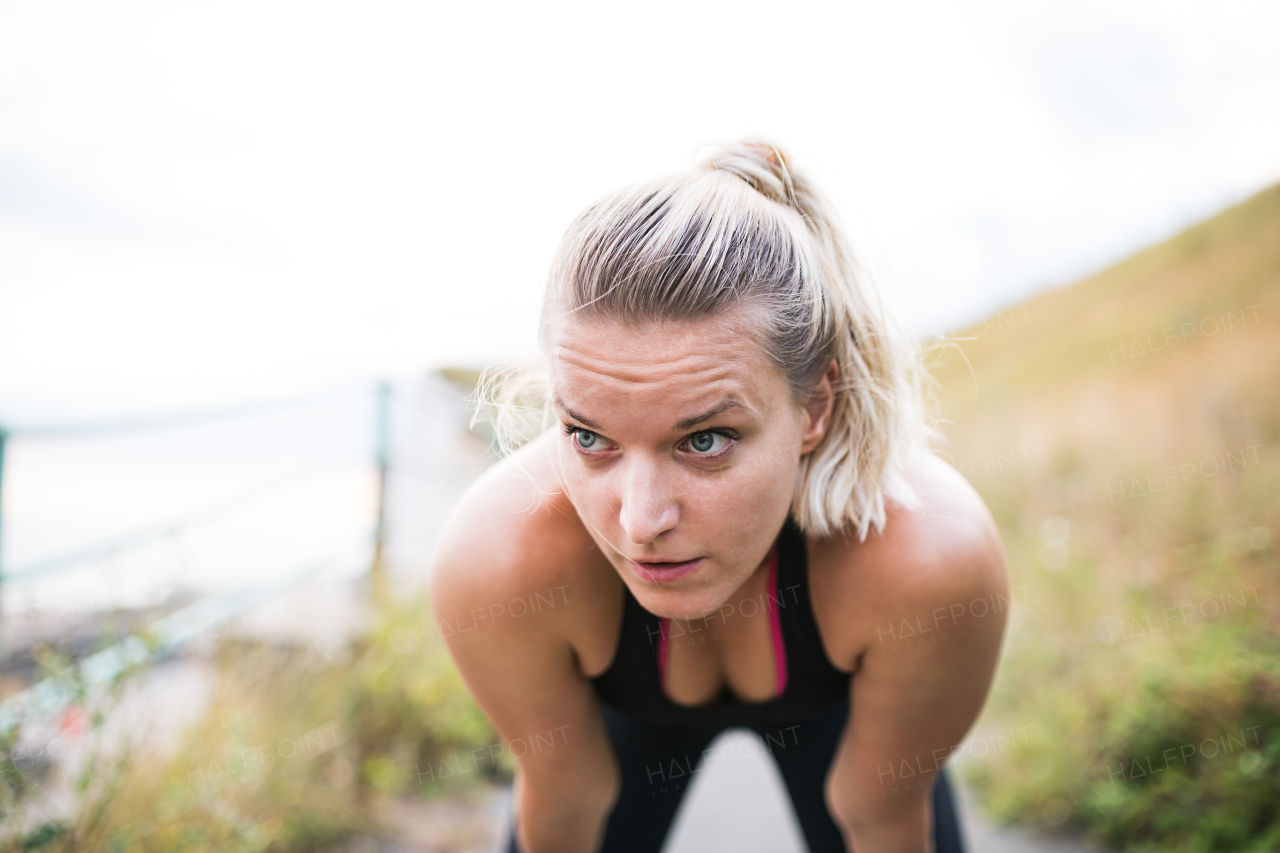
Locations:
column 649, row 506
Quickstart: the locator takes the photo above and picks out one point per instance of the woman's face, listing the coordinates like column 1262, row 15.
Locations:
column 679, row 445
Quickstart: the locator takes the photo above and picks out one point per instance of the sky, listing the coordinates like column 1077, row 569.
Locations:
column 202, row 203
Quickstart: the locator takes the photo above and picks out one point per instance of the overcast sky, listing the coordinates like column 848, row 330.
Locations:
column 216, row 201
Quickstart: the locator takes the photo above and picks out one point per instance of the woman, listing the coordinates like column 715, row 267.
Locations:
column 736, row 523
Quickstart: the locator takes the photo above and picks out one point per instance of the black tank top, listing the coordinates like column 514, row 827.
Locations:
column 632, row 684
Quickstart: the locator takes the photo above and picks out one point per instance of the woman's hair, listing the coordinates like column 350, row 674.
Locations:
column 744, row 230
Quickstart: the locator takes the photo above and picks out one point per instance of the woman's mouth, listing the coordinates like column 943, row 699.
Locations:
column 663, row 572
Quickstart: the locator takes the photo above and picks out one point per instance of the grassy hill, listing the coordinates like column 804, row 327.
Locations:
column 1125, row 431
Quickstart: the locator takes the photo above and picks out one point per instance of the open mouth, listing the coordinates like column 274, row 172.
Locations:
column 663, row 572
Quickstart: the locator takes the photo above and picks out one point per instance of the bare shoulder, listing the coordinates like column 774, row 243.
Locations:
column 919, row 614
column 514, row 560
column 506, row 528
column 522, row 607
column 928, row 563
column 948, row 543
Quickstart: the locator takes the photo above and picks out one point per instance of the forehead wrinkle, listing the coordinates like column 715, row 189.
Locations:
column 628, row 371
column 713, row 383
column 690, row 368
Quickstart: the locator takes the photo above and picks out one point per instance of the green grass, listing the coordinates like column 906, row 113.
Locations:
column 291, row 755
column 1103, row 661
column 1104, row 673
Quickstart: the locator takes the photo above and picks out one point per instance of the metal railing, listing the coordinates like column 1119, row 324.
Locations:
column 197, row 619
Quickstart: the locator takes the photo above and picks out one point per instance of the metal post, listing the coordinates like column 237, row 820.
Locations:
column 4, row 435
column 382, row 436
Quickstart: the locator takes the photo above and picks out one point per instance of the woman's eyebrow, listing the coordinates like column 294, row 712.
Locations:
column 571, row 413
column 681, row 426
column 689, row 423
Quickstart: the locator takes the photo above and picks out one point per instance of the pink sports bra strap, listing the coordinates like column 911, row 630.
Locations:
column 664, row 625
column 775, row 632
column 775, row 626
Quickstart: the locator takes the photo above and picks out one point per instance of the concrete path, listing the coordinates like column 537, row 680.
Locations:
column 739, row 803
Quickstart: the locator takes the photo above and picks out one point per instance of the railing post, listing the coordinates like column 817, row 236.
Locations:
column 382, row 440
column 4, row 435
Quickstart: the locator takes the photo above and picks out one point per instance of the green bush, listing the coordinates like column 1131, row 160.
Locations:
column 288, row 756
column 413, row 718
column 1146, row 729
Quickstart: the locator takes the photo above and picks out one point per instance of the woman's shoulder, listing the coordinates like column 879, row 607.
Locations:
column 943, row 554
column 512, row 528
column 513, row 547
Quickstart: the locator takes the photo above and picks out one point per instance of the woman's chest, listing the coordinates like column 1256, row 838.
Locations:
column 769, row 633
column 700, row 659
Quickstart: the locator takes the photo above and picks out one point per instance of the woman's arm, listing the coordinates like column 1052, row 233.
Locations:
column 941, row 593
column 522, row 670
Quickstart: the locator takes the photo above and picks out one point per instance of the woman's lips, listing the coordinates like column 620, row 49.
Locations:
column 662, row 572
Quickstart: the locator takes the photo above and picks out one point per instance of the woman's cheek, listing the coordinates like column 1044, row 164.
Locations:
column 591, row 497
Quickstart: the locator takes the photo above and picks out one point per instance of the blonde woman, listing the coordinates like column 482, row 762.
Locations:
column 735, row 522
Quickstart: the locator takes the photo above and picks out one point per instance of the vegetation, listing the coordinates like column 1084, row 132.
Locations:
column 290, row 756
column 1125, row 432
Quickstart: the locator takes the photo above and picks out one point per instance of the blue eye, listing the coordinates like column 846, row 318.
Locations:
column 710, row 444
column 583, row 439
column 704, row 443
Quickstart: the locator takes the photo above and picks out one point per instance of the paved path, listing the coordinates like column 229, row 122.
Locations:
column 739, row 804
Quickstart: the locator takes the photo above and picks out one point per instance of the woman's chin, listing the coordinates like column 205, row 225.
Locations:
column 675, row 604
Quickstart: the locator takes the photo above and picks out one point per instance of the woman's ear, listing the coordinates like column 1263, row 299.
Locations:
column 817, row 412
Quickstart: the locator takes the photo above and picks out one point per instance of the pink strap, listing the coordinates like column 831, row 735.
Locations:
column 775, row 633
column 775, row 626
column 664, row 629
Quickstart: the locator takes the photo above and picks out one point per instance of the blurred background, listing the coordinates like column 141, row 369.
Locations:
column 252, row 256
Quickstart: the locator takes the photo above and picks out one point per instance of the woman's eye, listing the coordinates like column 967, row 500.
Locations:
column 708, row 443
column 586, row 440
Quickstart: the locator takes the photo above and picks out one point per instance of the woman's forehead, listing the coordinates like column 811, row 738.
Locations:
column 712, row 350
column 663, row 412
column 672, row 368
column 737, row 328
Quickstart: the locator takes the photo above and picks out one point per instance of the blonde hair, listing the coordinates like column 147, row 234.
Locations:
column 743, row 229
